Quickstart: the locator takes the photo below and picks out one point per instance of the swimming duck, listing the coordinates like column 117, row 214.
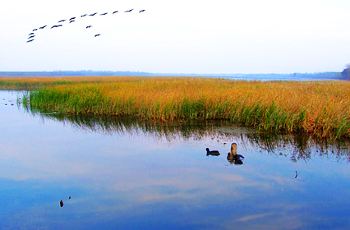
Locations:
column 212, row 153
column 233, row 157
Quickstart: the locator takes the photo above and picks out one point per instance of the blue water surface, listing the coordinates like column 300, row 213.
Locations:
column 122, row 176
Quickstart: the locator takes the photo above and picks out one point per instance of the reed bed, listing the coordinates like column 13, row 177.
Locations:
column 319, row 109
column 32, row 83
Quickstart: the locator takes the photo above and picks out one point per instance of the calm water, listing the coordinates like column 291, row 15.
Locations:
column 127, row 175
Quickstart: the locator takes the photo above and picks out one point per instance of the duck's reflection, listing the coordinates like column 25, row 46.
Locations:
column 233, row 157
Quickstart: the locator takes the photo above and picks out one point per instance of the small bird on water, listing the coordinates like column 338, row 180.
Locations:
column 212, row 152
column 61, row 203
column 233, row 157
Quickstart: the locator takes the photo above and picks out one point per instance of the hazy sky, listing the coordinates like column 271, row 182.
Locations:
column 182, row 36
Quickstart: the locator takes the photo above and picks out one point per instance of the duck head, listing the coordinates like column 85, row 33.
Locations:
column 234, row 149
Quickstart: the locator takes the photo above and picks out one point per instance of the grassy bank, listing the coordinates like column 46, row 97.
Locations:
column 319, row 109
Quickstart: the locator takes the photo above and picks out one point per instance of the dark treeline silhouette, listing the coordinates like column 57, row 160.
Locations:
column 346, row 72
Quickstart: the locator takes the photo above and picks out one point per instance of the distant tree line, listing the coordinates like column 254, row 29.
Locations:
column 346, row 72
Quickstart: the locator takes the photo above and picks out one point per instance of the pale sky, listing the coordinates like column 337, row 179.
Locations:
column 182, row 36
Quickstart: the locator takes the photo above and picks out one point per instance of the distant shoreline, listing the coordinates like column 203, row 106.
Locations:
column 250, row 77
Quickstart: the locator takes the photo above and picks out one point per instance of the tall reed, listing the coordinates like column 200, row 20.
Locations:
column 320, row 109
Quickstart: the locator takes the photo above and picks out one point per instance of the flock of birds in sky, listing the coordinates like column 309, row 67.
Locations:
column 60, row 23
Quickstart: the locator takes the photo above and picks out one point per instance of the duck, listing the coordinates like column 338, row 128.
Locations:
column 233, row 157
column 212, row 152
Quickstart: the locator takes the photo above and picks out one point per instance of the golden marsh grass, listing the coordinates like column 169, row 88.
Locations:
column 320, row 109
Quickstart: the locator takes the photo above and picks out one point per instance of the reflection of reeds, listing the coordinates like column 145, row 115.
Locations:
column 319, row 109
column 299, row 147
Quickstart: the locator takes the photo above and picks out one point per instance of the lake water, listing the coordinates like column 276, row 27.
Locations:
column 129, row 175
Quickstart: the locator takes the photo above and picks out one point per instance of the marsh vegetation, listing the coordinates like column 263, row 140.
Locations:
column 318, row 109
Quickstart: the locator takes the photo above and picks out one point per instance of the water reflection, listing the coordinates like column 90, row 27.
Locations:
column 123, row 174
column 301, row 147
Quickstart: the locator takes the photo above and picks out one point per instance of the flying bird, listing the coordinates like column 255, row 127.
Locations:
column 114, row 12
column 84, row 15
column 63, row 20
column 93, row 14
column 141, row 11
column 55, row 26
column 30, row 40
column 73, row 18
column 71, row 21
column 88, row 27
column 128, row 11
column 35, row 29
column 104, row 14
column 97, row 35
column 31, row 36
column 42, row 27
